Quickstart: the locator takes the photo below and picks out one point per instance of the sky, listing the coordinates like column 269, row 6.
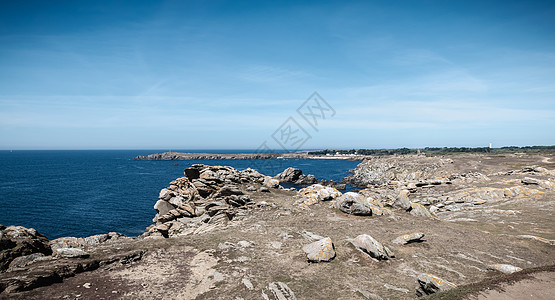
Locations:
column 237, row 74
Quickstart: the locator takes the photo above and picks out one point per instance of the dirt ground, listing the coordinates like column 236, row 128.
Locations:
column 264, row 245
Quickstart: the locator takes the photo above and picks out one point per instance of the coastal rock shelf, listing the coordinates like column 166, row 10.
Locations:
column 418, row 226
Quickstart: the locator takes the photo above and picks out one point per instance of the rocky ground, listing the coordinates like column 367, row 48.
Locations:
column 418, row 226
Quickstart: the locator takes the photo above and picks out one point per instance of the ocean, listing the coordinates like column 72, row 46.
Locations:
column 85, row 192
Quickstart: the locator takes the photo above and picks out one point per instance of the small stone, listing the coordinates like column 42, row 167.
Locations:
column 87, row 285
column 248, row 284
column 504, row 268
column 281, row 291
column 71, row 253
column 275, row 245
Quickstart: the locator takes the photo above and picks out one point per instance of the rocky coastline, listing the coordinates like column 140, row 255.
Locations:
column 241, row 156
column 419, row 225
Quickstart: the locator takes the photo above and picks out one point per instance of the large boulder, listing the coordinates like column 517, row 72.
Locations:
column 430, row 284
column 322, row 250
column 316, row 193
column 372, row 247
column 354, row 204
column 16, row 241
column 296, row 176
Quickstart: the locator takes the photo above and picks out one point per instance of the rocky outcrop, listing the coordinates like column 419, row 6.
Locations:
column 316, row 193
column 296, row 176
column 205, row 156
column 383, row 170
column 17, row 241
column 206, row 198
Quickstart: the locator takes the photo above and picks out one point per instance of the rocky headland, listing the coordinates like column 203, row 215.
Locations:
column 418, row 226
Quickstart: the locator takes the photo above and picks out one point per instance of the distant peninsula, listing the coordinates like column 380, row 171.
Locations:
column 353, row 154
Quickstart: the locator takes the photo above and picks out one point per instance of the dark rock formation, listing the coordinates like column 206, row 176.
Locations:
column 16, row 241
column 296, row 176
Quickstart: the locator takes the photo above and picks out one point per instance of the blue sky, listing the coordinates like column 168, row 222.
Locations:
column 227, row 74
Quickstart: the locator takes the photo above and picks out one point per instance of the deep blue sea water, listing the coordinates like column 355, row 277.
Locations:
column 81, row 193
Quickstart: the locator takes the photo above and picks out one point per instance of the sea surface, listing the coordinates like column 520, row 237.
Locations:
column 85, row 192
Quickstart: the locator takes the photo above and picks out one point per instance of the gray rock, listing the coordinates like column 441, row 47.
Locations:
column 402, row 201
column 248, row 284
column 281, row 291
column 420, row 210
column 504, row 268
column 24, row 261
column 163, row 207
column 530, row 181
column 71, row 253
column 369, row 245
column 16, row 241
column 354, row 204
column 408, row 238
column 296, row 176
column 264, row 189
column 166, row 194
column 368, row 295
column 429, row 284
column 320, row 251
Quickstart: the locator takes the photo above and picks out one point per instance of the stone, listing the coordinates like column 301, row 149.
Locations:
column 420, row 210
column 530, row 181
column 402, row 201
column 228, row 190
column 264, row 189
column 296, row 176
column 166, row 194
column 315, row 193
column 289, row 175
column 430, row 284
column 368, row 295
column 504, row 268
column 372, row 247
column 163, row 207
column 71, row 253
column 271, row 182
column 322, row 250
column 281, row 291
column 409, row 238
column 353, row 204
column 248, row 284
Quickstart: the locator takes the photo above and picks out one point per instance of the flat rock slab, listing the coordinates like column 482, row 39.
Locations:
column 409, row 238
